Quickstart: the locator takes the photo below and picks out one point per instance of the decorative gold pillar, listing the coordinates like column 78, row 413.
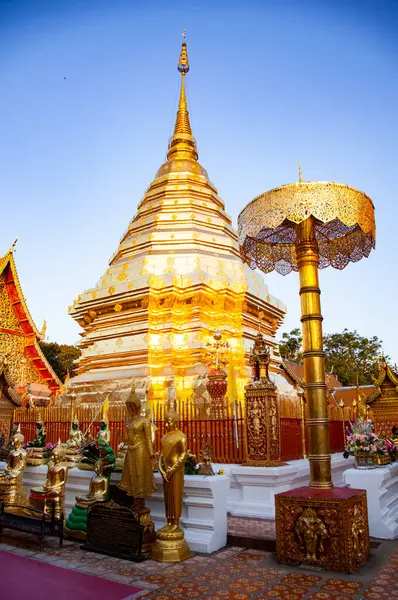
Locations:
column 262, row 427
column 305, row 226
column 313, row 356
column 300, row 394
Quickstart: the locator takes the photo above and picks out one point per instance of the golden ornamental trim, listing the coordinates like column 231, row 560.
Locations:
column 344, row 228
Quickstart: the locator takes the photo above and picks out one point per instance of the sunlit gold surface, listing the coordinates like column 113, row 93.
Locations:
column 175, row 277
column 170, row 545
column 344, row 225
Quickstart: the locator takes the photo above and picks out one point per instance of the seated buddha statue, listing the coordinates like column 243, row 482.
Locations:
column 53, row 490
column 73, row 444
column 35, row 448
column 41, row 434
column 104, row 432
column 76, row 438
column 76, row 524
column 11, row 488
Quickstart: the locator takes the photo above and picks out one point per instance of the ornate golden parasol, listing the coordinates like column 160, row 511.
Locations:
column 305, row 226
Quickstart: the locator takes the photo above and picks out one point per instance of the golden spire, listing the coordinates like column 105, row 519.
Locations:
column 182, row 145
column 300, row 171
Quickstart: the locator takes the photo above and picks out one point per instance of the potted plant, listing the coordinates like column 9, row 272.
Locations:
column 362, row 444
column 382, row 455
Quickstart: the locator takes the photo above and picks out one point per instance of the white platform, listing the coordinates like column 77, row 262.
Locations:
column 204, row 517
column 253, row 489
column 381, row 487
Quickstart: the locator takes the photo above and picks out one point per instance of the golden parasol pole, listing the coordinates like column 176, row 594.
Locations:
column 313, row 356
column 300, row 394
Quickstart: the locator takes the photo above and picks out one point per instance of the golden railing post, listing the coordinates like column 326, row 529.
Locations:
column 313, row 356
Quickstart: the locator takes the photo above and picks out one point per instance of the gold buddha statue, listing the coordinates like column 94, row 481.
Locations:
column 76, row 438
column 73, row 444
column 104, row 432
column 11, row 488
column 137, row 477
column 98, row 489
column 170, row 545
column 76, row 523
column 53, row 490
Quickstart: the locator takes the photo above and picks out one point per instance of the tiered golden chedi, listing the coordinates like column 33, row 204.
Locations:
column 176, row 276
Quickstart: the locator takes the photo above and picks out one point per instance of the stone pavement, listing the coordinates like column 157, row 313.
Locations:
column 230, row 574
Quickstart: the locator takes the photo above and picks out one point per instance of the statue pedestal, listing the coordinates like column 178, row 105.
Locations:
column 204, row 516
column 381, row 487
column 253, row 489
column 322, row 528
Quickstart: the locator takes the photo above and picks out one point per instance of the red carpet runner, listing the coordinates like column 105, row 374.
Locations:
column 26, row 579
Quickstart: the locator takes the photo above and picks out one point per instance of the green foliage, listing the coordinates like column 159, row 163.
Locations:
column 61, row 357
column 290, row 346
column 191, row 466
column 349, row 355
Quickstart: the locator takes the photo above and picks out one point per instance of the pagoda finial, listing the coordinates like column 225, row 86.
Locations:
column 182, row 145
column 300, row 171
column 11, row 250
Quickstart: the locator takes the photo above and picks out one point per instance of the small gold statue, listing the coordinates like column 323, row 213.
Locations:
column 53, row 490
column 137, row 477
column 205, row 467
column 170, row 545
column 73, row 444
column 104, row 432
column 76, row 438
column 98, row 489
column 311, row 531
column 11, row 488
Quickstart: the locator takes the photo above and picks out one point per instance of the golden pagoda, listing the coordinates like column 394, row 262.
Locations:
column 175, row 278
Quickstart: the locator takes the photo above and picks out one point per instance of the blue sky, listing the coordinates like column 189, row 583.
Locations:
column 89, row 93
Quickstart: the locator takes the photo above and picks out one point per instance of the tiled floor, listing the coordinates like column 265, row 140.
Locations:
column 230, row 574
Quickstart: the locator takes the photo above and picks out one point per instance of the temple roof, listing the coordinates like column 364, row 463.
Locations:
column 22, row 325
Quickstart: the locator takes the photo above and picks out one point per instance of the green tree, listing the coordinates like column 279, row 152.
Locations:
column 61, row 357
column 290, row 346
column 349, row 355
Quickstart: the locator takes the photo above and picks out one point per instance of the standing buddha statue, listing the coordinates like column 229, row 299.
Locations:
column 137, row 477
column 11, row 488
column 53, row 490
column 170, row 545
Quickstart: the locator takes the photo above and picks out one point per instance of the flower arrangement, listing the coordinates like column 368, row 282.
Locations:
column 48, row 449
column 362, row 439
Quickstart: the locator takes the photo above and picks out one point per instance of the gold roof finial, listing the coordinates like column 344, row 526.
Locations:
column 182, row 145
column 300, row 171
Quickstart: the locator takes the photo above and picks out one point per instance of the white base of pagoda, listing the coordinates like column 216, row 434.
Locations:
column 253, row 489
column 381, row 487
